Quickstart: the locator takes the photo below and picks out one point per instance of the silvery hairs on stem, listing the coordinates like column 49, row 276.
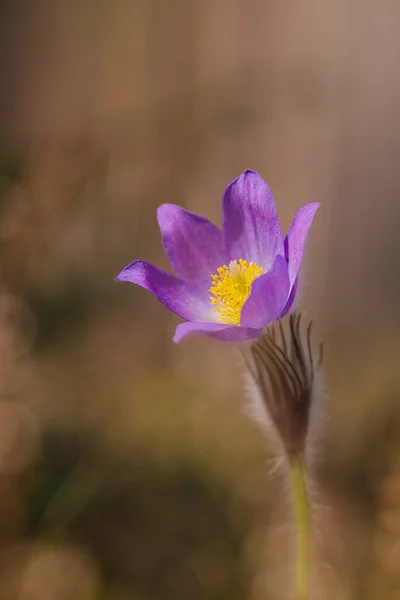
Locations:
column 282, row 377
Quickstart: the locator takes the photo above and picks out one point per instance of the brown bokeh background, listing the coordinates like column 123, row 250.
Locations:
column 128, row 467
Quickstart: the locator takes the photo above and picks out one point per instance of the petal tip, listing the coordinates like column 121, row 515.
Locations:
column 182, row 330
column 129, row 271
column 139, row 272
column 177, row 338
column 165, row 207
column 252, row 174
column 165, row 211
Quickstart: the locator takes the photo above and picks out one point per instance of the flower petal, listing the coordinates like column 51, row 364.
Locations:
column 220, row 331
column 267, row 297
column 296, row 238
column 251, row 225
column 180, row 297
column 291, row 299
column 193, row 245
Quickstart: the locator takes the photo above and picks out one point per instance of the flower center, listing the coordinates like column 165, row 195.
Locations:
column 231, row 287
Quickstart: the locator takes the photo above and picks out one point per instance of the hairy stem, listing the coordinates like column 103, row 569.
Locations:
column 303, row 530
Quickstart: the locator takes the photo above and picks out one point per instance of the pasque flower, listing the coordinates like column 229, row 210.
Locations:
column 229, row 284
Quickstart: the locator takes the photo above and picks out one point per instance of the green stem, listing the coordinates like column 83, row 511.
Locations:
column 303, row 531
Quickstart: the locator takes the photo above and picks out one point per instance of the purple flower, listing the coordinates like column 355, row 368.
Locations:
column 231, row 283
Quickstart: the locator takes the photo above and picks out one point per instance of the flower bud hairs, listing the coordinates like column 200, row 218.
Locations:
column 237, row 285
column 282, row 368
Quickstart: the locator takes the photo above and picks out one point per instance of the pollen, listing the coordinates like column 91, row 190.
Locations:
column 230, row 288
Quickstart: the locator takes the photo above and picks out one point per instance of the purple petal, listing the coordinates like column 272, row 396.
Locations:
column 220, row 331
column 291, row 298
column 251, row 225
column 193, row 245
column 268, row 296
column 182, row 298
column 296, row 238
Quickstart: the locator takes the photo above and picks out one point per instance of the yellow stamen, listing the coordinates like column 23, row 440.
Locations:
column 231, row 287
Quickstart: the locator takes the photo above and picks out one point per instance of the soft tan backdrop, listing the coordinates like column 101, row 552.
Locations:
column 128, row 467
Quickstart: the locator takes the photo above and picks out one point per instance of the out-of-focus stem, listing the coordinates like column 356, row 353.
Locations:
column 303, row 526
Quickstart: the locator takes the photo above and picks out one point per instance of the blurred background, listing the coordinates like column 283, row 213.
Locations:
column 128, row 466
